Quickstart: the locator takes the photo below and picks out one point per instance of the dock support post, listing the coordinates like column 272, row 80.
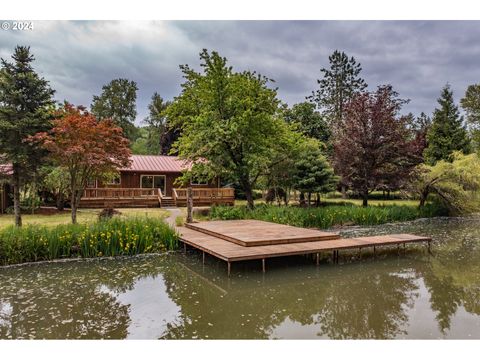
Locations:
column 184, row 248
column 263, row 265
column 229, row 268
column 398, row 249
column 374, row 252
column 203, row 258
column 429, row 246
column 359, row 252
column 318, row 259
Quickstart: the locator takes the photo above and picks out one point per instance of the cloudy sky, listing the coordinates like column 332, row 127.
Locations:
column 417, row 58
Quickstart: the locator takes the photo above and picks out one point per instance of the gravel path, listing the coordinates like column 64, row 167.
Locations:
column 174, row 212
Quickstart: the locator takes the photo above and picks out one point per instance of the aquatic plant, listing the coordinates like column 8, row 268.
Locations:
column 327, row 216
column 111, row 237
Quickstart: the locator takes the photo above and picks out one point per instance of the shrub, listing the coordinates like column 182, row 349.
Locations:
column 110, row 237
column 327, row 216
column 108, row 213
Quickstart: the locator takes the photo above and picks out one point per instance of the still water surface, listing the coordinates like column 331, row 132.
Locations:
column 173, row 296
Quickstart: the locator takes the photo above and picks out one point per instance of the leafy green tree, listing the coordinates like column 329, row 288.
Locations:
column 309, row 121
column 471, row 104
column 447, row 132
column 161, row 136
column 229, row 122
column 56, row 180
column 140, row 145
column 118, row 102
column 25, row 109
column 339, row 83
column 453, row 182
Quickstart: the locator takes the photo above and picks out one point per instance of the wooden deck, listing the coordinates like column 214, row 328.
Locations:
column 256, row 233
column 217, row 241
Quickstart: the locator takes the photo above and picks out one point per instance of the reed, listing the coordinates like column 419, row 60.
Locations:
column 327, row 216
column 112, row 237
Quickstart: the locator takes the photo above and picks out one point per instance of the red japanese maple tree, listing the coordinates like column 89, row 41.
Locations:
column 85, row 148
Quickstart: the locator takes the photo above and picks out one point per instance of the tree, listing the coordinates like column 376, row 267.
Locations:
column 373, row 149
column 158, row 130
column 471, row 104
column 308, row 121
column 118, row 103
column 339, row 84
column 85, row 148
column 454, row 182
column 57, row 182
column 447, row 132
column 25, row 109
column 229, row 122
column 312, row 172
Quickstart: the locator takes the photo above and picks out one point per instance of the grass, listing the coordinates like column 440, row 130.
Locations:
column 327, row 216
column 84, row 216
column 113, row 237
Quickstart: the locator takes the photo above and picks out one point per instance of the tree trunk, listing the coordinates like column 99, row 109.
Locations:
column 189, row 205
column 73, row 204
column 365, row 199
column 317, row 200
column 16, row 196
column 309, row 197
column 423, row 197
column 344, row 191
column 249, row 195
column 60, row 201
column 301, row 200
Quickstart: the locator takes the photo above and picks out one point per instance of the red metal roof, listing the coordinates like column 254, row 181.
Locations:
column 156, row 163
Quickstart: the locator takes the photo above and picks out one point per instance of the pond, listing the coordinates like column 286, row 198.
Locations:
column 173, row 296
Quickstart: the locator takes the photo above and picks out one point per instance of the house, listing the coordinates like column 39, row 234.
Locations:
column 5, row 187
column 150, row 181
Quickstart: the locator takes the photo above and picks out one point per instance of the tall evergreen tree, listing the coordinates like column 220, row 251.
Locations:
column 118, row 102
column 471, row 104
column 25, row 109
column 338, row 85
column 447, row 132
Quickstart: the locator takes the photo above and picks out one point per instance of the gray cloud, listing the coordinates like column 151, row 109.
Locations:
column 417, row 58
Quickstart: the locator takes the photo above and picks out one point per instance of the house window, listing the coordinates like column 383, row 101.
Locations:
column 115, row 181
column 91, row 183
column 153, row 181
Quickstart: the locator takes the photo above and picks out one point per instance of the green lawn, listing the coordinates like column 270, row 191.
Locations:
column 83, row 216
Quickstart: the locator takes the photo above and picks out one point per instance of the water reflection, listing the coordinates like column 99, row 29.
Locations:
column 176, row 297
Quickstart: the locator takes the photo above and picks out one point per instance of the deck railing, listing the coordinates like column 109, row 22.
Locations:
column 119, row 193
column 205, row 193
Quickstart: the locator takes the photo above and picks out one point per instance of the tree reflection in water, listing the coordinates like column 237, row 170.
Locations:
column 367, row 299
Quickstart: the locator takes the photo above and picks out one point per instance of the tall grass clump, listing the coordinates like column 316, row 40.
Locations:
column 327, row 216
column 111, row 237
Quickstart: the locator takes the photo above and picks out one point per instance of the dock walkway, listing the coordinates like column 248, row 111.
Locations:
column 239, row 240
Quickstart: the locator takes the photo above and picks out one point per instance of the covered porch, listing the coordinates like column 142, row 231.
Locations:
column 154, row 197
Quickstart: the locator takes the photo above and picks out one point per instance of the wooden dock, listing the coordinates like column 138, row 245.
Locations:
column 239, row 240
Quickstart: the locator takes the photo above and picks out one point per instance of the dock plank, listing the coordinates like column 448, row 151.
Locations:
column 256, row 233
column 231, row 252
